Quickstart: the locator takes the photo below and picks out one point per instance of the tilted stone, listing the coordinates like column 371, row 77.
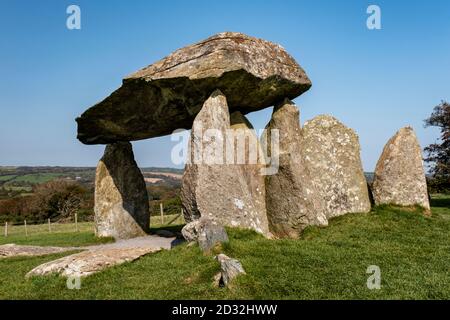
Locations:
column 167, row 95
column 121, row 200
column 399, row 174
column 292, row 201
column 332, row 154
column 212, row 188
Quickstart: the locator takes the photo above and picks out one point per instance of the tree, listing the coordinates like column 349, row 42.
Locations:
column 438, row 154
column 58, row 198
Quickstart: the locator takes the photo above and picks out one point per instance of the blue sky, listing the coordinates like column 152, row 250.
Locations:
column 374, row 81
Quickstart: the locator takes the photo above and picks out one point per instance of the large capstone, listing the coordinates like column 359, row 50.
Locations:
column 121, row 200
column 252, row 73
column 399, row 175
column 332, row 154
column 212, row 187
column 292, row 201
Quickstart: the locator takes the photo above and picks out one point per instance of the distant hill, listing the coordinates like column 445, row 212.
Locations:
column 23, row 178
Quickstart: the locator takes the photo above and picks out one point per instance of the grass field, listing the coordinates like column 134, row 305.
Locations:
column 411, row 250
column 34, row 178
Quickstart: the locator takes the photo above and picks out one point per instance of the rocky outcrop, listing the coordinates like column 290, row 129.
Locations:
column 332, row 154
column 399, row 175
column 206, row 232
column 292, row 201
column 211, row 187
column 167, row 95
column 229, row 269
column 121, row 200
column 14, row 250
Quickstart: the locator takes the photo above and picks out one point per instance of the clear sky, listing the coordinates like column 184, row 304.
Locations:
column 374, row 81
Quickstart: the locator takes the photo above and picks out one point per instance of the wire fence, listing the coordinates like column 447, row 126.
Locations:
column 29, row 228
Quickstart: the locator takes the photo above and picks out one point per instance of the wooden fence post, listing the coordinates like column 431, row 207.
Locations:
column 26, row 230
column 49, row 226
column 76, row 221
column 6, row 229
column 162, row 212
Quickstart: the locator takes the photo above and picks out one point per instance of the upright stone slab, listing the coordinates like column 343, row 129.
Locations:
column 212, row 189
column 399, row 174
column 332, row 154
column 121, row 200
column 248, row 156
column 292, row 200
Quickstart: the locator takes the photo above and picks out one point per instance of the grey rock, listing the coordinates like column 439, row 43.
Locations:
column 251, row 164
column 88, row 262
column 206, row 232
column 218, row 191
column 399, row 174
column 168, row 94
column 332, row 154
column 292, row 200
column 230, row 269
column 121, row 200
column 14, row 250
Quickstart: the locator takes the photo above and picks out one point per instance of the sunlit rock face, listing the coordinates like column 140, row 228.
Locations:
column 399, row 175
column 121, row 200
column 332, row 154
column 216, row 190
column 252, row 73
column 292, row 200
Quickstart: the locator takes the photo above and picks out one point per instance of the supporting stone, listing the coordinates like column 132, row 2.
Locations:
column 211, row 187
column 292, row 200
column 399, row 174
column 332, row 154
column 249, row 157
column 121, row 200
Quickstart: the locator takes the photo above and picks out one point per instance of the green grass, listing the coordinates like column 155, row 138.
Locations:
column 7, row 177
column 18, row 188
column 37, row 177
column 413, row 252
column 60, row 235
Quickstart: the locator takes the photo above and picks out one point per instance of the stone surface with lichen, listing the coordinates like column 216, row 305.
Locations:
column 332, row 154
column 167, row 95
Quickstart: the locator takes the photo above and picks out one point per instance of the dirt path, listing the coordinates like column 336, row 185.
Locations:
column 150, row 241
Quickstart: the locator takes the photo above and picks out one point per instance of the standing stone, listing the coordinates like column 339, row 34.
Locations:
column 248, row 156
column 121, row 200
column 332, row 154
column 211, row 187
column 399, row 174
column 292, row 201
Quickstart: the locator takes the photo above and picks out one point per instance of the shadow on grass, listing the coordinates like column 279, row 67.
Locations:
column 443, row 202
column 173, row 228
